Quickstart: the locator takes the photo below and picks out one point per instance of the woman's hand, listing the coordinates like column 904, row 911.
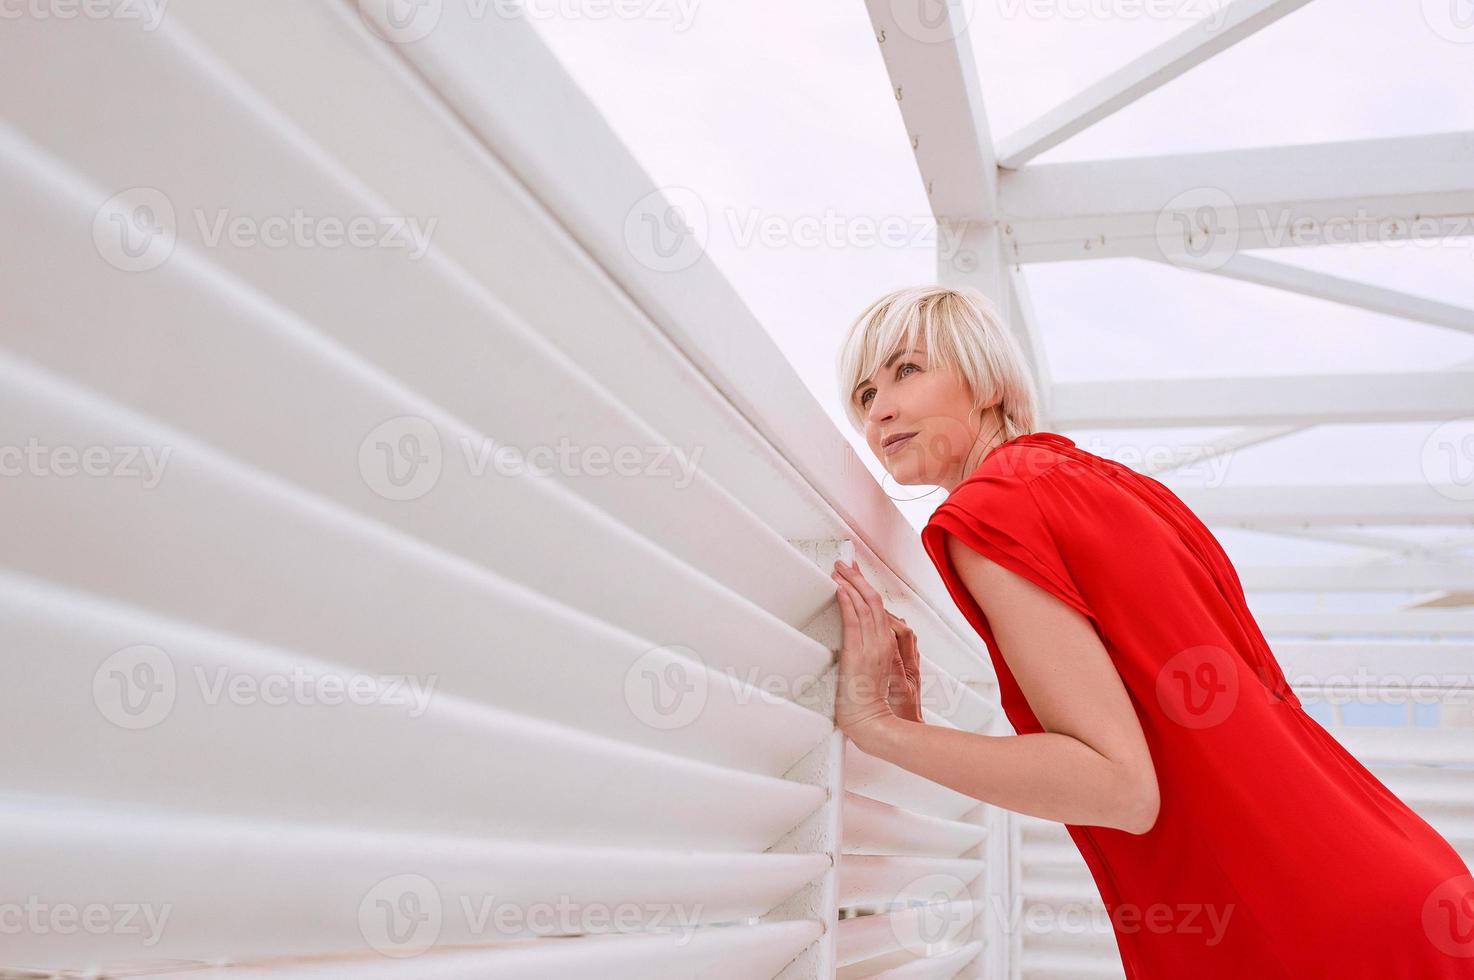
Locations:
column 905, row 682
column 877, row 667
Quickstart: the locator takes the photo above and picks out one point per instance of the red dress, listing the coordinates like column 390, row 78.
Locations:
column 1276, row 855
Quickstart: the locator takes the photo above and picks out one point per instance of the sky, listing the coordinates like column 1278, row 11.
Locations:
column 780, row 116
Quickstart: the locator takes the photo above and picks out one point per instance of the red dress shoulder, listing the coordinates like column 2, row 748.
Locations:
column 1276, row 854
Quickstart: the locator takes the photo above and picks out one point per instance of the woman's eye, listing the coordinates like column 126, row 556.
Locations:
column 901, row 373
column 865, row 398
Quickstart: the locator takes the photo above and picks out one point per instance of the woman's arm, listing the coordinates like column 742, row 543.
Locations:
column 1090, row 766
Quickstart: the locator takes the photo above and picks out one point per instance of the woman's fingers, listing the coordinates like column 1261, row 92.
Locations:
column 871, row 603
column 852, row 614
column 847, row 613
column 845, row 576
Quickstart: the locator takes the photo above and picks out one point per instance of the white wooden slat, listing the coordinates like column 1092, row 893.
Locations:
column 525, row 528
column 948, row 697
column 476, row 358
column 864, row 937
column 1417, row 746
column 470, row 181
column 1438, row 623
column 1312, row 505
column 320, row 572
column 1052, row 964
column 934, row 967
column 872, row 827
column 718, row 953
column 1376, row 576
column 867, row 880
column 661, row 380
column 373, row 761
column 880, row 780
column 215, row 888
column 1375, row 667
column 1446, row 787
column 788, row 465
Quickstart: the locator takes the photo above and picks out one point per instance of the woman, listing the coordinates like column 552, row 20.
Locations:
column 1229, row 834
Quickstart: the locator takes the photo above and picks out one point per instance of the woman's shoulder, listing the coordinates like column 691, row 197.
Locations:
column 1021, row 460
column 1029, row 478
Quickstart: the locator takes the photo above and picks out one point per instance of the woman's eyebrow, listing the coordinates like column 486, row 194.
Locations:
column 888, row 363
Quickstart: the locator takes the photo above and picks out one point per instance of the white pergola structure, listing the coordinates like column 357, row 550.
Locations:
column 301, row 394
column 1199, row 211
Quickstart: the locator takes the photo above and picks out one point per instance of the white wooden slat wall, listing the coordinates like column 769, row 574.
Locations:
column 542, row 619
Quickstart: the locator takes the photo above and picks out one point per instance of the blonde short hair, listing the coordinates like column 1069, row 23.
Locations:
column 962, row 330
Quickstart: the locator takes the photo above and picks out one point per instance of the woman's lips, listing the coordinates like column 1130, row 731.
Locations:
column 893, row 447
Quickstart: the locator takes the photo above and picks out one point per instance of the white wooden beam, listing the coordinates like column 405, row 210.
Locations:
column 1265, row 401
column 1218, row 31
column 1347, row 292
column 1329, row 663
column 1203, row 207
column 1363, row 539
column 1436, row 622
column 1024, row 323
column 1329, row 504
column 934, row 80
column 1358, row 577
column 1240, row 438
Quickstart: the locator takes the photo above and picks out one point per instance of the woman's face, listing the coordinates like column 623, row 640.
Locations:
column 906, row 396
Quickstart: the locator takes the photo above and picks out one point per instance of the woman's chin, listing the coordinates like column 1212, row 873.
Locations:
column 907, row 475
